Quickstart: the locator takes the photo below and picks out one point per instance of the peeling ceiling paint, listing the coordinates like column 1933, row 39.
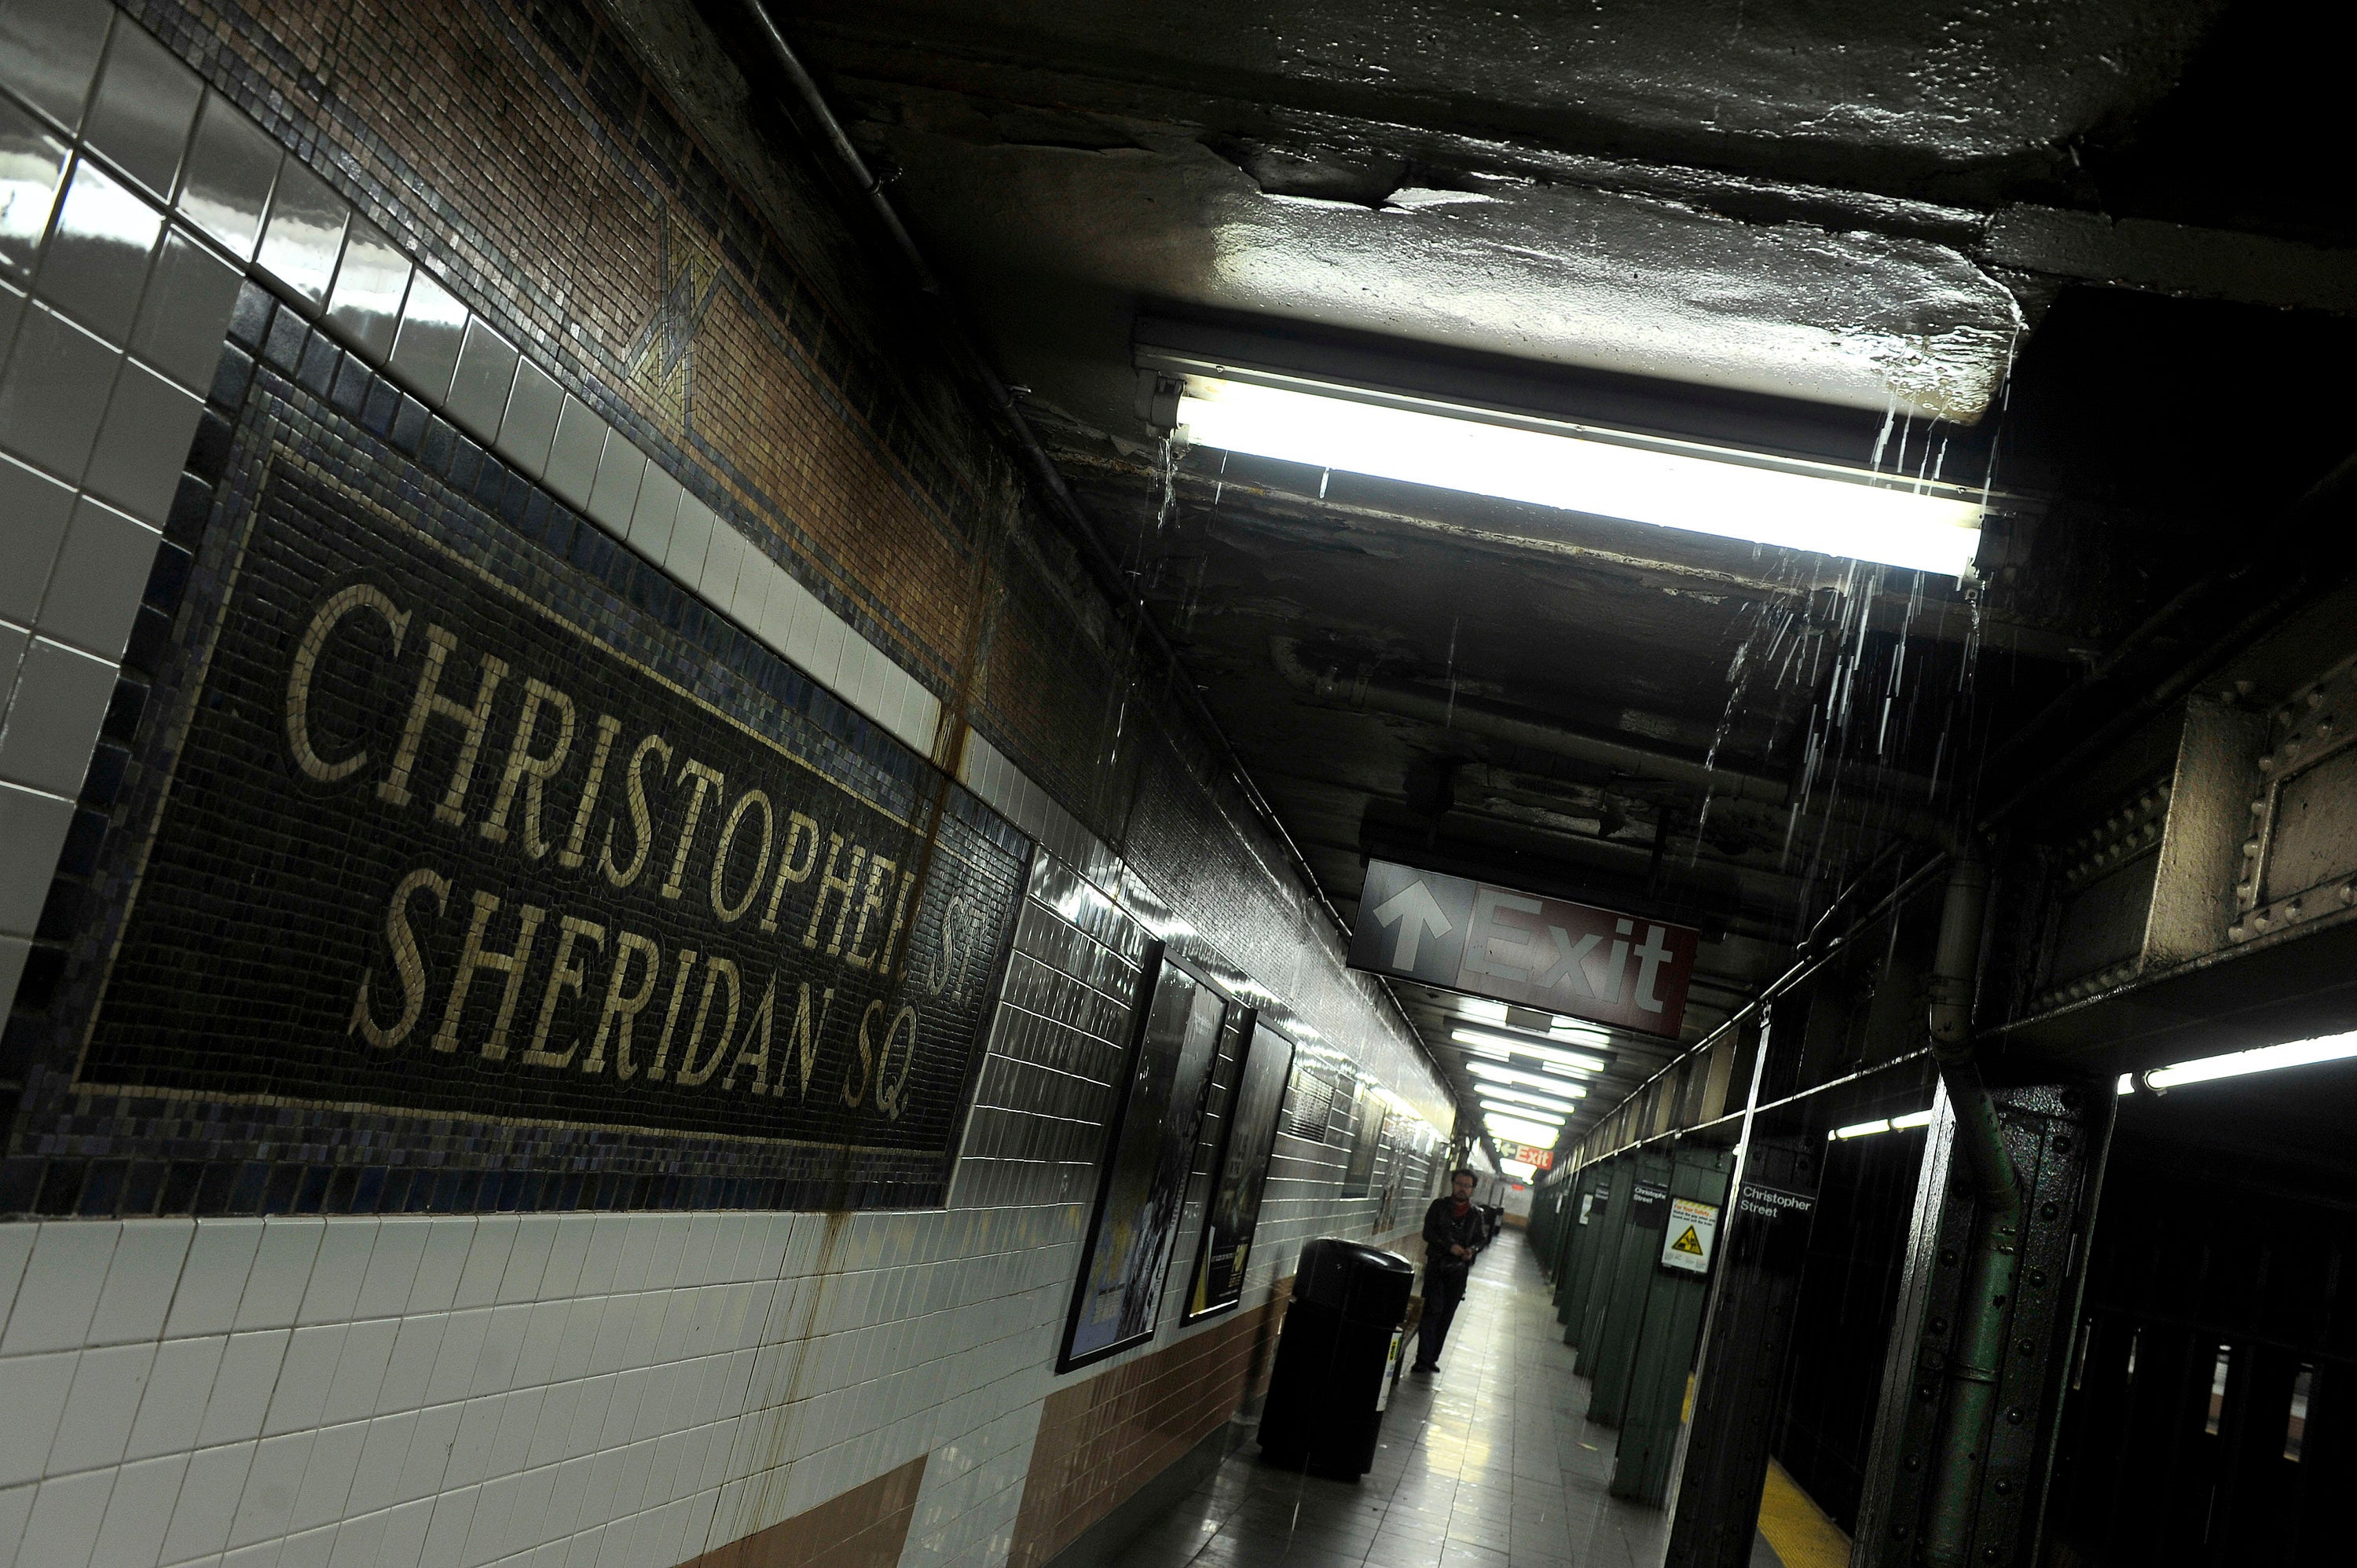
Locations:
column 1562, row 275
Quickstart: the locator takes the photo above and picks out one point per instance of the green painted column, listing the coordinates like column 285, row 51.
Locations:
column 1669, row 1326
column 1629, row 1276
column 1583, row 1222
column 1595, row 1243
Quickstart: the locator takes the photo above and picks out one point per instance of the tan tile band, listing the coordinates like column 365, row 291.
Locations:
column 1103, row 1438
column 864, row 1527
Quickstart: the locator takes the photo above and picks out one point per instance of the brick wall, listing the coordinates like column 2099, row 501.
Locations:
column 1103, row 1439
column 866, row 1527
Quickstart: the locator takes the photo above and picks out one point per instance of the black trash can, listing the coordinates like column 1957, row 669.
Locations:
column 1327, row 1391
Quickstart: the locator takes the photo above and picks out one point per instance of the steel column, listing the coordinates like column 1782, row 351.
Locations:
column 1628, row 1272
column 1740, row 1375
column 2054, row 1136
column 1663, row 1354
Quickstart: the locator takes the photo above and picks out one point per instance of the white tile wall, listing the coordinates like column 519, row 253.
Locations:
column 634, row 1387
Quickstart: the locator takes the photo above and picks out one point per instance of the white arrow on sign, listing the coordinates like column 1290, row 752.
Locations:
column 1416, row 911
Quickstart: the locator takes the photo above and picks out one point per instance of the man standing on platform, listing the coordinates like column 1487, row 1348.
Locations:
column 1454, row 1232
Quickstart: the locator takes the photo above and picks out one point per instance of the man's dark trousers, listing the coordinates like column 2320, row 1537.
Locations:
column 1443, row 1290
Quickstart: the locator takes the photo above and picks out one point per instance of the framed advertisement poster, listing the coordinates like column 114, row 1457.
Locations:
column 1369, row 1118
column 1125, row 1258
column 1241, row 1172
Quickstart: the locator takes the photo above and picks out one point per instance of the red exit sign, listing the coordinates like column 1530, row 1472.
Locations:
column 1573, row 960
column 1538, row 1159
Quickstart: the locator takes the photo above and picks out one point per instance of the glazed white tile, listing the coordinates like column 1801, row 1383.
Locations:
column 243, row 1385
column 96, row 1426
column 172, row 1406
column 281, row 1272
column 60, row 1291
column 142, row 1272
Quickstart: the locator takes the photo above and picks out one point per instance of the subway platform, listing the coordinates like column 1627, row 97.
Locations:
column 1491, row 1464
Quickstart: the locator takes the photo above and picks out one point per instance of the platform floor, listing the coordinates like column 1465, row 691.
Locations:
column 1490, row 1463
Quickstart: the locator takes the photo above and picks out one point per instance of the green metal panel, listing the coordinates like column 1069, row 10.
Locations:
column 1561, row 1222
column 1630, row 1268
column 1559, row 1228
column 1546, row 1216
column 1590, row 1243
column 1670, row 1324
column 1594, row 1188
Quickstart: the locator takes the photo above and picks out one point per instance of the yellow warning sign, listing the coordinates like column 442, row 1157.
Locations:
column 1685, row 1242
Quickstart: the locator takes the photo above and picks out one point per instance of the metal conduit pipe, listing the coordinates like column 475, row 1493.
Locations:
column 1554, row 736
column 1550, row 736
column 1962, row 1457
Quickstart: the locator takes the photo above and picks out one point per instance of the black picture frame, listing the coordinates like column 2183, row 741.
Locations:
column 1370, row 1117
column 1239, row 1172
column 1156, row 1127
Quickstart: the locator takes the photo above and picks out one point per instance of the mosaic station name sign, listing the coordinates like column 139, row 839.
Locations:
column 431, row 846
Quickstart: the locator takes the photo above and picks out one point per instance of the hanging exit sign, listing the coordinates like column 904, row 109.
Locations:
column 1569, row 959
column 1530, row 1154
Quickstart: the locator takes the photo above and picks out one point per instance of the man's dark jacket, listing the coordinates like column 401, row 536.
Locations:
column 1445, row 1227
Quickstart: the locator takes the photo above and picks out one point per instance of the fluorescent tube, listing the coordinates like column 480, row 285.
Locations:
column 1534, row 1096
column 1703, row 489
column 1905, row 1123
column 1867, row 1131
column 1538, row 1134
column 1492, row 1109
column 1528, row 1080
column 2266, row 1058
column 1523, row 1097
column 1580, row 1061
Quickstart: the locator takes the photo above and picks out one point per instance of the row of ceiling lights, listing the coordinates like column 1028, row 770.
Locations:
column 1531, row 1108
column 1518, row 1104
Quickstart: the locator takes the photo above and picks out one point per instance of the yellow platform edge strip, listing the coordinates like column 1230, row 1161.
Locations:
column 1799, row 1530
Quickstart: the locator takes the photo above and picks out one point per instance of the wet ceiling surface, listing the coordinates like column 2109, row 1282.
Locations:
column 1904, row 228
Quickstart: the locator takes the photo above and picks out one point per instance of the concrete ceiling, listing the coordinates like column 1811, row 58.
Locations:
column 1863, row 216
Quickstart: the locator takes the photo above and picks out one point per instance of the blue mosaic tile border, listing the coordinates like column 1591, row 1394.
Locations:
column 283, row 384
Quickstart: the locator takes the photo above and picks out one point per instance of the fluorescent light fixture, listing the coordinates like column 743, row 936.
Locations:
column 1705, row 489
column 1905, row 1123
column 1520, row 1170
column 1577, row 1062
column 1527, row 1080
column 1570, row 1034
column 1530, row 1096
column 1492, row 1094
column 1492, row 1111
column 1538, row 1134
column 2265, row 1058
column 1519, row 1108
column 1478, row 1008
